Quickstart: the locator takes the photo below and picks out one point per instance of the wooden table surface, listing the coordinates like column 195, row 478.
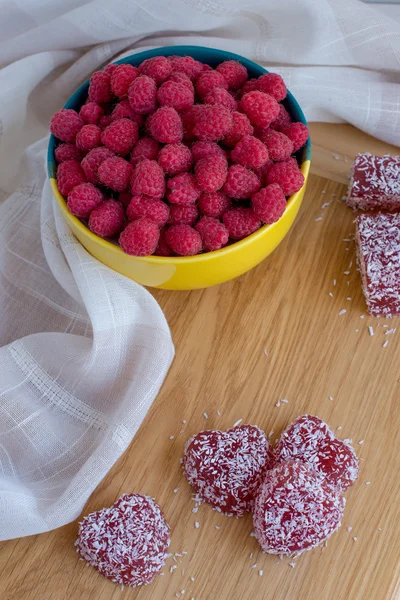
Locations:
column 222, row 335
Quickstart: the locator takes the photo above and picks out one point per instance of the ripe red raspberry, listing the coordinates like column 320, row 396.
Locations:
column 298, row 133
column 249, row 86
column 183, row 240
column 151, row 208
column 69, row 175
column 206, row 67
column 240, row 222
column 188, row 65
column 262, row 171
column 122, row 78
column 188, row 121
column 211, row 172
column 234, row 73
column 272, row 84
column 91, row 112
column 121, row 136
column 186, row 215
column 107, row 219
column 144, row 148
column 162, row 247
column 176, row 95
column 158, row 68
column 125, row 197
column 261, row 108
column 240, row 126
column 269, row 203
column 123, row 109
column 283, row 119
column 105, row 121
column 83, row 199
column 65, row 152
column 110, row 68
column 222, row 97
column 213, row 233
column 115, row 172
column 140, row 238
column 182, row 79
column 202, row 149
column 165, row 125
column 250, row 152
column 65, row 124
column 241, row 182
column 142, row 95
column 148, row 179
column 208, row 81
column 100, row 87
column 286, row 174
column 214, row 204
column 92, row 161
column 88, row 137
column 280, row 147
column 183, row 189
column 175, row 158
column 212, row 122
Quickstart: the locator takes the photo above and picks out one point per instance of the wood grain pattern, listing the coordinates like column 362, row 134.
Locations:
column 220, row 334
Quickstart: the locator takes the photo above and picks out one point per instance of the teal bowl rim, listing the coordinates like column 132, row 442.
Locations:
column 211, row 56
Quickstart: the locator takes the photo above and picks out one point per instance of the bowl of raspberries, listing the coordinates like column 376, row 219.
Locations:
column 180, row 167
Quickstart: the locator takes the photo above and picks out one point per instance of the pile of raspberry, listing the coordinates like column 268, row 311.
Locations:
column 176, row 158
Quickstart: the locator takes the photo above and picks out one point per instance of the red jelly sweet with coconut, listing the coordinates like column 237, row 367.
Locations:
column 375, row 183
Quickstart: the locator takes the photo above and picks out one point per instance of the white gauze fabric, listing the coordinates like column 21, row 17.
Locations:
column 84, row 350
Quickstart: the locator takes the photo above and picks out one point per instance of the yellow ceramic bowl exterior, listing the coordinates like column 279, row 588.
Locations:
column 192, row 272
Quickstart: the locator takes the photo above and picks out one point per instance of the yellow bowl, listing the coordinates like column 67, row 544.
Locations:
column 204, row 270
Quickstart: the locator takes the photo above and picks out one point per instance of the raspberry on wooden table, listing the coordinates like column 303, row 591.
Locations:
column 208, row 81
column 108, row 219
column 211, row 173
column 175, row 158
column 212, row 122
column 65, row 124
column 183, row 189
column 183, row 240
column 158, row 68
column 234, row 73
column 240, row 126
column 142, row 95
column 295, row 510
column 122, row 78
column 241, row 182
column 120, row 136
column 100, row 87
column 69, row 175
column 88, row 137
column 165, row 125
column 151, row 208
column 222, row 97
column 67, row 151
column 250, row 152
column 148, row 179
column 213, row 233
column 272, row 84
column 127, row 542
column 183, row 215
column 91, row 112
column 310, row 440
column 83, row 199
column 226, row 468
column 378, row 256
column 240, row 222
column 174, row 94
column 214, row 204
column 92, row 161
column 140, row 238
column 162, row 247
column 145, row 147
column 201, row 149
column 375, row 183
column 283, row 119
column 261, row 108
column 187, row 65
column 286, row 174
column 297, row 133
column 279, row 146
column 269, row 203
column 123, row 109
column 115, row 172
